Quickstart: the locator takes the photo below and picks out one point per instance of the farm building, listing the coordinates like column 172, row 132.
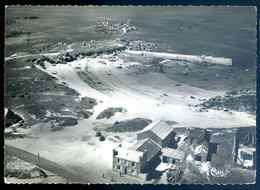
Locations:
column 160, row 132
column 128, row 161
column 173, row 156
column 244, row 149
column 198, row 137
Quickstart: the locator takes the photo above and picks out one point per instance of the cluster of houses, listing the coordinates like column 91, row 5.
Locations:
column 158, row 140
column 150, row 141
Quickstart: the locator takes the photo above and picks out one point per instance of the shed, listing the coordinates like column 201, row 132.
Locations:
column 173, row 156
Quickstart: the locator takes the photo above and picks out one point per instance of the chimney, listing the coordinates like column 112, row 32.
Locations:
column 145, row 153
column 114, row 152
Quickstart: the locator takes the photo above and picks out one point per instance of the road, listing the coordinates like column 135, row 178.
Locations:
column 71, row 176
column 53, row 167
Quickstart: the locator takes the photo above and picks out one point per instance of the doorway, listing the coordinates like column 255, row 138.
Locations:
column 198, row 158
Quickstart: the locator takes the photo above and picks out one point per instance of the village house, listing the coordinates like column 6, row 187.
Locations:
column 134, row 159
column 198, row 137
column 244, row 150
column 128, row 161
column 199, row 140
column 160, row 132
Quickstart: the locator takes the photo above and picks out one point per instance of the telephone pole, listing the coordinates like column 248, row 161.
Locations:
column 39, row 164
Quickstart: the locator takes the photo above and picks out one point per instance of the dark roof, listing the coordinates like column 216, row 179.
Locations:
column 159, row 128
column 149, row 145
column 174, row 153
column 195, row 133
column 241, row 135
column 246, row 138
column 249, row 139
column 200, row 134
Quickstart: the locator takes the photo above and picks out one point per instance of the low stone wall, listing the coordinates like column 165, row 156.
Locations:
column 190, row 58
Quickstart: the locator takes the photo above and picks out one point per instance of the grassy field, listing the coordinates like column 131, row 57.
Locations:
column 36, row 96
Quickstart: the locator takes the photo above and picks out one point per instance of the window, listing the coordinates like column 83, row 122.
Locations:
column 247, row 156
column 165, row 160
column 132, row 164
column 132, row 171
column 125, row 161
column 118, row 160
column 118, row 167
column 173, row 161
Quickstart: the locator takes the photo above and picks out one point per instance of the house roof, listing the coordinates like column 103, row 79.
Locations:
column 249, row 139
column 199, row 134
column 129, row 154
column 247, row 150
column 241, row 135
column 246, row 138
column 201, row 150
column 149, row 145
column 159, row 128
column 174, row 153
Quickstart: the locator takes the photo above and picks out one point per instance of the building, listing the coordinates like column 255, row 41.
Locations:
column 152, row 148
column 199, row 140
column 244, row 149
column 246, row 156
column 198, row 137
column 173, row 156
column 160, row 132
column 201, row 153
column 134, row 159
column 145, row 152
column 128, row 161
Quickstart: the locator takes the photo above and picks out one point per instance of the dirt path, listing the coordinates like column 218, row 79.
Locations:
column 46, row 164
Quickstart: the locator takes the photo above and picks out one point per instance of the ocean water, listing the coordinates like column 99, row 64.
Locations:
column 222, row 31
